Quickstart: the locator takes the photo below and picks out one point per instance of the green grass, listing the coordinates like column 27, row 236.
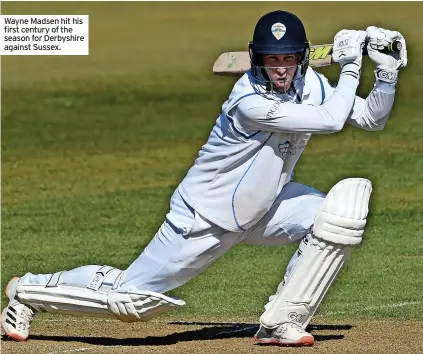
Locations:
column 93, row 147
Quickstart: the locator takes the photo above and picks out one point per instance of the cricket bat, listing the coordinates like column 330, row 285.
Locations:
column 238, row 63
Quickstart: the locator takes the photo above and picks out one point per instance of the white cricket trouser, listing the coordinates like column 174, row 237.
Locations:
column 187, row 244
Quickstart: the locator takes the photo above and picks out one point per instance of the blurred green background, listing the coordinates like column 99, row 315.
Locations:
column 93, row 146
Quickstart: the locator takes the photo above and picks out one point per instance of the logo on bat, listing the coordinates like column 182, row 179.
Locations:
column 320, row 51
column 278, row 30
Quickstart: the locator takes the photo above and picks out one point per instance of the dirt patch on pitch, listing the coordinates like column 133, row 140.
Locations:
column 71, row 335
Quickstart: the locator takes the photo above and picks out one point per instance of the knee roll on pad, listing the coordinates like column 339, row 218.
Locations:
column 342, row 215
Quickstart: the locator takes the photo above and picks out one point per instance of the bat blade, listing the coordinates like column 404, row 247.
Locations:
column 238, row 63
column 232, row 63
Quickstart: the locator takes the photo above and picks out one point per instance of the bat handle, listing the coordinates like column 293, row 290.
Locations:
column 395, row 46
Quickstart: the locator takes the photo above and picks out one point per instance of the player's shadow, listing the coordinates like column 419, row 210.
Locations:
column 211, row 331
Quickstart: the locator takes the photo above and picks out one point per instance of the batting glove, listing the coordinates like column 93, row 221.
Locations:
column 387, row 65
column 348, row 51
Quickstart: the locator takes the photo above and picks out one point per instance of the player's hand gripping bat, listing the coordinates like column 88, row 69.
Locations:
column 237, row 63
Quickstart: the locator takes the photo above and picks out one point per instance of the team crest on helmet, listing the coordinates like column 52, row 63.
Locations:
column 278, row 30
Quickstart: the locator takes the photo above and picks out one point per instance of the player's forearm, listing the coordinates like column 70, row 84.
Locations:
column 289, row 117
column 373, row 112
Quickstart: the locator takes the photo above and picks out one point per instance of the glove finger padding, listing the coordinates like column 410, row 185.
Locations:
column 402, row 55
column 382, row 61
column 379, row 39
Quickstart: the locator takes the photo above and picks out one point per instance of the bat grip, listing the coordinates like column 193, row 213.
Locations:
column 395, row 46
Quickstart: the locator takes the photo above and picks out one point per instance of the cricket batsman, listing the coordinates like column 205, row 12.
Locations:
column 240, row 189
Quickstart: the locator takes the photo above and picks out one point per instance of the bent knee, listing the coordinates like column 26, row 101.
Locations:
column 301, row 220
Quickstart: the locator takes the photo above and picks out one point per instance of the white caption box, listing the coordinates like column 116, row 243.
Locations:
column 44, row 35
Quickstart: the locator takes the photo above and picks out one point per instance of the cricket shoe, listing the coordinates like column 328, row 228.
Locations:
column 16, row 318
column 287, row 334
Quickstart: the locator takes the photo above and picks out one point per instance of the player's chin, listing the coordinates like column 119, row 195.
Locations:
column 281, row 85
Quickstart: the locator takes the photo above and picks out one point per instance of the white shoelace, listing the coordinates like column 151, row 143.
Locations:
column 27, row 314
